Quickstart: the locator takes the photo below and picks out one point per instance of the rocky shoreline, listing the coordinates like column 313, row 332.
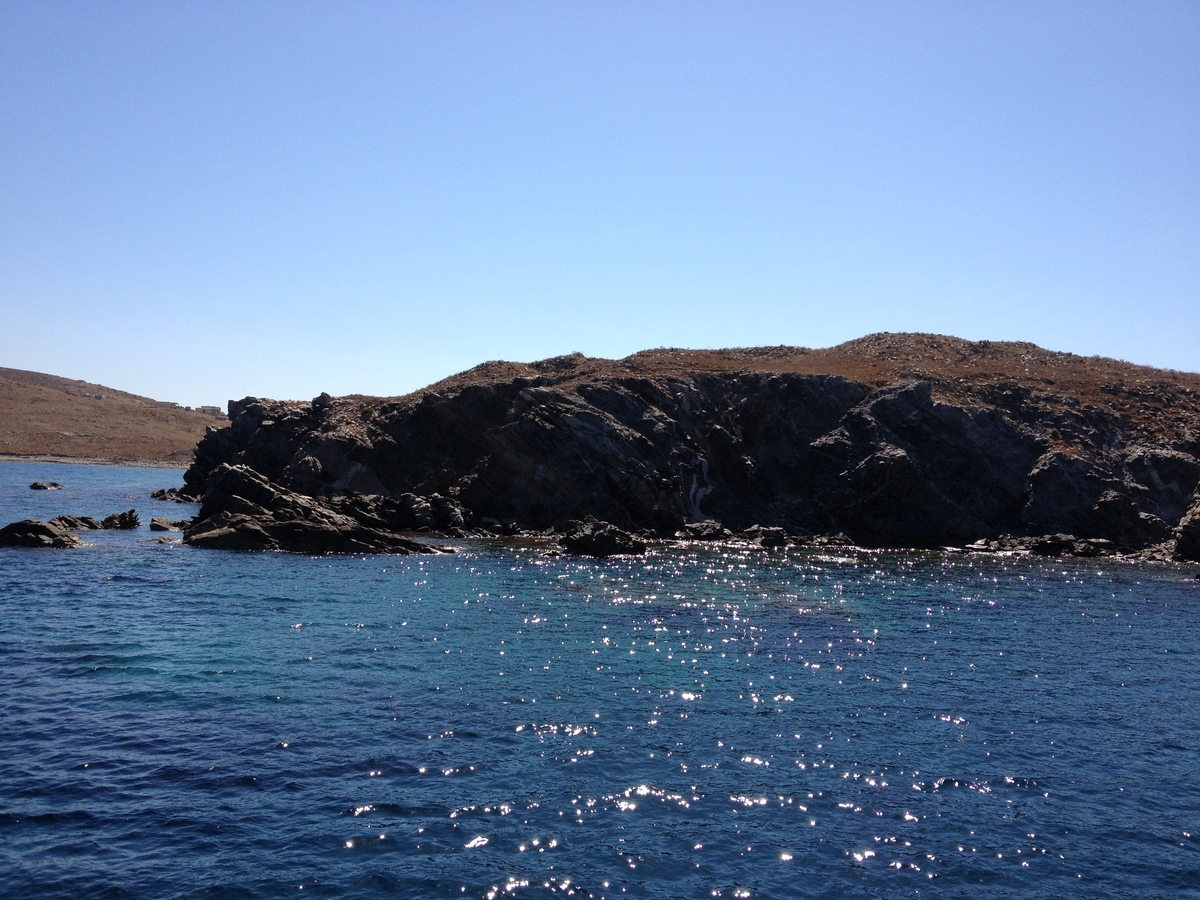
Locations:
column 957, row 444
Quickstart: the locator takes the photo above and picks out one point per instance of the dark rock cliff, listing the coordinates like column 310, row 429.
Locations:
column 895, row 440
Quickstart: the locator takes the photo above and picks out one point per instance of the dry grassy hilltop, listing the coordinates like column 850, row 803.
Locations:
column 47, row 416
column 1157, row 404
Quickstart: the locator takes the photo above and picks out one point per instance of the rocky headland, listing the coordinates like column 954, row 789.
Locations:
column 892, row 440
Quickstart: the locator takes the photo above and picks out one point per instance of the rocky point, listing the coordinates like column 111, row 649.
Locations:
column 892, row 440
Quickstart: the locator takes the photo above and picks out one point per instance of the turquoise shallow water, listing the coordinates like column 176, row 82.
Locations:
column 507, row 722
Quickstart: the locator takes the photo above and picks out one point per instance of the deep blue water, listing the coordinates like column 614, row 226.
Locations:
column 507, row 722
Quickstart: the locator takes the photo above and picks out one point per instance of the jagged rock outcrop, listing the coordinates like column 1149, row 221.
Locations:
column 118, row 521
column 32, row 533
column 243, row 510
column 77, row 523
column 894, row 440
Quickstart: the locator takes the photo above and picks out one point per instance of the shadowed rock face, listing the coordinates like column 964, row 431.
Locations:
column 651, row 445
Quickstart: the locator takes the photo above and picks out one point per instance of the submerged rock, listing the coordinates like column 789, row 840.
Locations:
column 45, row 486
column 33, row 533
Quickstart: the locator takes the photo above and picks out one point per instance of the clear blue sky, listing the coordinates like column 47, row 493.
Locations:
column 204, row 200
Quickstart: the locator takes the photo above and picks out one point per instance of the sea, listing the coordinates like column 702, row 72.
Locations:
column 508, row 721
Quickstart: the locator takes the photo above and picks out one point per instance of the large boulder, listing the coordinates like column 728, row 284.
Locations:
column 32, row 533
column 601, row 539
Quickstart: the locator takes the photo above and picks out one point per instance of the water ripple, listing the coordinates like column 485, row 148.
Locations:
column 510, row 723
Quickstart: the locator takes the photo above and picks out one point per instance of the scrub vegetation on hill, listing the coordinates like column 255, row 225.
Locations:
column 46, row 416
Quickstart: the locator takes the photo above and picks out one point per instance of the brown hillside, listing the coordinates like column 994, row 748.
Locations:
column 44, row 415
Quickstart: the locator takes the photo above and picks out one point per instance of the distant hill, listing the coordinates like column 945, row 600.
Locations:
column 47, row 416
